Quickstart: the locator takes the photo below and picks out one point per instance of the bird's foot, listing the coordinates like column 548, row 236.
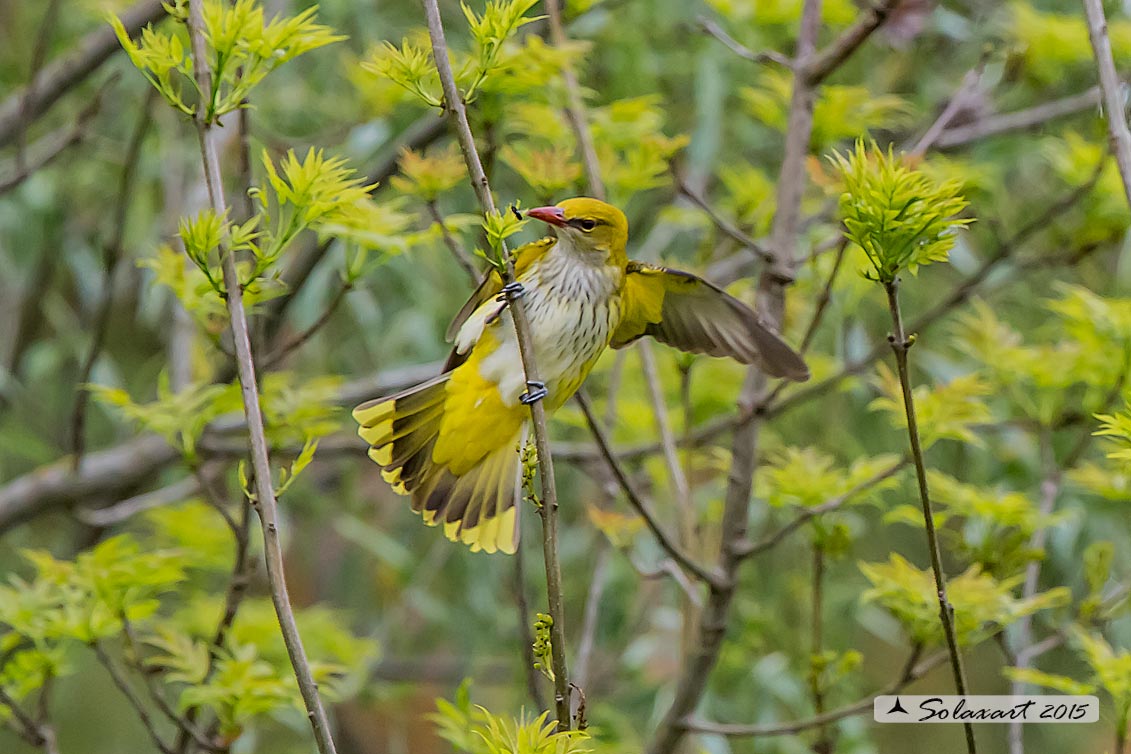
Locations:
column 510, row 292
column 535, row 391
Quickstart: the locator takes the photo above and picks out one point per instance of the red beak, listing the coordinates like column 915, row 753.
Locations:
column 550, row 215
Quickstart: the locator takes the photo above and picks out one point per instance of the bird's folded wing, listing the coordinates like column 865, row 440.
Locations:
column 691, row 314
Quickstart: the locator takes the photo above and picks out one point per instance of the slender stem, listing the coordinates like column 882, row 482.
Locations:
column 457, row 251
column 1112, row 89
column 900, row 344
column 524, row 633
column 575, row 109
column 589, row 620
column 741, row 50
column 913, row 670
column 124, row 686
column 264, row 502
column 824, row 742
column 457, row 110
column 665, row 540
column 32, row 732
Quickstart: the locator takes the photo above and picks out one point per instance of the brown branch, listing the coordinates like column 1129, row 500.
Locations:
column 1113, row 94
column 912, row 672
column 1019, row 120
column 966, row 90
column 462, row 258
column 525, row 635
column 725, row 226
column 45, row 150
column 131, row 697
column 277, row 356
column 118, row 469
column 750, row 549
column 777, row 273
column 741, row 50
column 666, row 542
column 575, row 108
column 264, row 502
column 35, row 734
column 817, row 66
column 61, row 75
column 457, row 110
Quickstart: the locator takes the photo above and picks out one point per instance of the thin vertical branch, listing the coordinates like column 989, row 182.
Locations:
column 524, row 633
column 457, row 110
column 575, row 109
column 900, row 344
column 824, row 743
column 740, row 481
column 264, row 502
column 1113, row 92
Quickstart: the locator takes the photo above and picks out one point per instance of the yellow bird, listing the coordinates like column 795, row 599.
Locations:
column 451, row 442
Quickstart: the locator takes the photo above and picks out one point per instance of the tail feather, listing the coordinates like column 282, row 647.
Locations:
column 478, row 506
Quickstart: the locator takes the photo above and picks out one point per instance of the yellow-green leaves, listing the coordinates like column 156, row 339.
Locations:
column 180, row 417
column 243, row 47
column 498, row 226
column 552, row 171
column 840, row 112
column 84, row 600
column 896, row 214
column 947, row 411
column 982, row 604
column 412, row 66
column 476, row 730
column 541, row 649
column 427, row 176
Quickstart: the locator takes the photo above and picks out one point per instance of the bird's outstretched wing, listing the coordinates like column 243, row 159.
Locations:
column 689, row 313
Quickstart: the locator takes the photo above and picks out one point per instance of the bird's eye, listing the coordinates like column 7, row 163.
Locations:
column 587, row 225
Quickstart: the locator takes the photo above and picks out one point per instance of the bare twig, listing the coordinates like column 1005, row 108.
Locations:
column 777, row 273
column 913, row 671
column 817, row 66
column 667, row 544
column 741, row 50
column 1114, row 96
column 126, row 509
column 1019, row 120
column 771, row 541
column 900, row 343
column 264, row 502
column 575, row 109
column 60, row 76
column 135, row 702
column 458, row 253
column 549, row 510
column 588, row 639
column 36, row 734
column 969, row 86
column 277, row 356
column 46, row 149
column 725, row 226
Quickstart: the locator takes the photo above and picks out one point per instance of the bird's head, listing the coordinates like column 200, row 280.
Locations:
column 588, row 225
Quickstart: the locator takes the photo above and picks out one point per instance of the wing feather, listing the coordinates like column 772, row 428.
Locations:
column 694, row 315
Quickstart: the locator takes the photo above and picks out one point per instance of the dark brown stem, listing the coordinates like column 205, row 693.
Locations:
column 298, row 341
column 457, row 251
column 265, row 502
column 913, row 670
column 900, row 344
column 549, row 509
column 741, row 50
column 824, row 742
column 36, row 734
column 817, row 67
column 666, row 542
column 135, row 702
